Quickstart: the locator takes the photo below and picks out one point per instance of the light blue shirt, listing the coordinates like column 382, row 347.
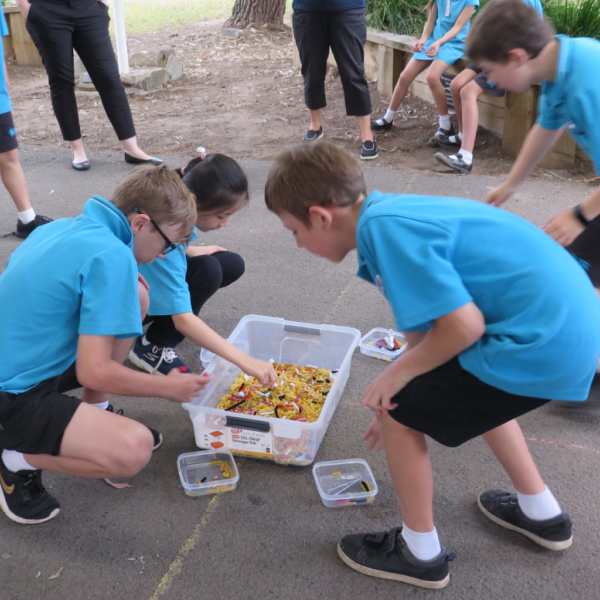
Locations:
column 70, row 277
column 169, row 291
column 5, row 105
column 573, row 98
column 537, row 5
column 433, row 255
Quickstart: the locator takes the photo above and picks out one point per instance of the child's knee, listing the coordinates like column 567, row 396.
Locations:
column 433, row 78
column 471, row 92
column 133, row 453
column 456, row 86
column 10, row 158
column 144, row 299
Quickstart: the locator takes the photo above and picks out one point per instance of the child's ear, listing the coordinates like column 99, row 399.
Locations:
column 519, row 56
column 320, row 217
column 137, row 222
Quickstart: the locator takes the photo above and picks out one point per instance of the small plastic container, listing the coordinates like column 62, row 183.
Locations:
column 201, row 473
column 206, row 357
column 345, row 482
column 368, row 344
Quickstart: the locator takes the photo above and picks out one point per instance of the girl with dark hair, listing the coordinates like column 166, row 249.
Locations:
column 185, row 279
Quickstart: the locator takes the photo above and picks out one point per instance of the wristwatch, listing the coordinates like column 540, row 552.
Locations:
column 582, row 218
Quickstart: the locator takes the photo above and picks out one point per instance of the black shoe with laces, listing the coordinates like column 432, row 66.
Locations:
column 454, row 161
column 503, row 508
column 312, row 136
column 156, row 436
column 24, row 229
column 434, row 142
column 24, row 499
column 369, row 150
column 386, row 555
column 156, row 360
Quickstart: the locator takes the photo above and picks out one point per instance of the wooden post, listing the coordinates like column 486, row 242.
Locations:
column 26, row 53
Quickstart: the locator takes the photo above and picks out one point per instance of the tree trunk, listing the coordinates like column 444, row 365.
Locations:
column 256, row 11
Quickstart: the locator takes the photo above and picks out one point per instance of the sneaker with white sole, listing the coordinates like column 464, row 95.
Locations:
column 369, row 150
column 156, row 360
column 24, row 499
column 312, row 136
column 156, row 436
column 454, row 161
column 503, row 509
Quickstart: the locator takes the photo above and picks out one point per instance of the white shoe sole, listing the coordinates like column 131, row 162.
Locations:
column 369, row 157
column 16, row 519
column 140, row 364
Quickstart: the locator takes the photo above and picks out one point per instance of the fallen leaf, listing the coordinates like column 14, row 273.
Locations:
column 119, row 486
column 57, row 574
column 38, row 574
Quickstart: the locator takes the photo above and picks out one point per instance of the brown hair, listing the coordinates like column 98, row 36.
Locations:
column 159, row 193
column 502, row 26
column 313, row 174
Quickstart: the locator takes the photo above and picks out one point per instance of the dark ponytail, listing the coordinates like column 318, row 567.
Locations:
column 217, row 181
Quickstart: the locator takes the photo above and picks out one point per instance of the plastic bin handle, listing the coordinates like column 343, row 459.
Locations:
column 241, row 423
column 298, row 329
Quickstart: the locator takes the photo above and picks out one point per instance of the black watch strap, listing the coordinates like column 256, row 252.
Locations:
column 582, row 218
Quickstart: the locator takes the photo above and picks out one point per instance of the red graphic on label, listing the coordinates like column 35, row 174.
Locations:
column 217, row 444
column 234, row 430
column 216, row 433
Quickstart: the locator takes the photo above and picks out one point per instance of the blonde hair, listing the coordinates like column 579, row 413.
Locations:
column 159, row 193
column 313, row 174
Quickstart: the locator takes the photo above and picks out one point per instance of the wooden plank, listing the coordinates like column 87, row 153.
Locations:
column 25, row 51
column 519, row 117
column 562, row 154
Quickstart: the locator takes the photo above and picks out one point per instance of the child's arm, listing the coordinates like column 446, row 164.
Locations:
column 537, row 143
column 450, row 335
column 465, row 14
column 96, row 370
column 427, row 30
column 203, row 250
column 200, row 333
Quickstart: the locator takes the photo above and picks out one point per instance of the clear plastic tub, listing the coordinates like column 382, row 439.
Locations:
column 345, row 482
column 368, row 344
column 203, row 473
column 285, row 442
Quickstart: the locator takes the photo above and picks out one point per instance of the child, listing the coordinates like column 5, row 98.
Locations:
column 481, row 350
column 466, row 89
column 570, row 97
column 186, row 279
column 11, row 171
column 70, row 304
column 440, row 46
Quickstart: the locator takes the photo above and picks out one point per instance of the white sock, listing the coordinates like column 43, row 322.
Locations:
column 145, row 342
column 15, row 461
column 101, row 405
column 444, row 121
column 425, row 546
column 539, row 507
column 27, row 216
column 390, row 115
column 466, row 156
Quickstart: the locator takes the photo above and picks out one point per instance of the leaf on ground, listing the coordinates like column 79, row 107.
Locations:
column 38, row 574
column 118, row 486
column 57, row 574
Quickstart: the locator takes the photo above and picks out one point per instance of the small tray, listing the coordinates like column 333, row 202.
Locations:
column 345, row 482
column 368, row 344
column 194, row 467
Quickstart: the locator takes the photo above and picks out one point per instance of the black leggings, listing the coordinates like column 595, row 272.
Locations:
column 205, row 275
column 59, row 26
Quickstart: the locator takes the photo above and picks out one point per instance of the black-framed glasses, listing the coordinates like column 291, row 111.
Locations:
column 170, row 245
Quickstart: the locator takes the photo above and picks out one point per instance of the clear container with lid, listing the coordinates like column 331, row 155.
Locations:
column 345, row 482
column 207, row 472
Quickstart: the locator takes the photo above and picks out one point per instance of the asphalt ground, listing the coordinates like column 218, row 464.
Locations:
column 272, row 538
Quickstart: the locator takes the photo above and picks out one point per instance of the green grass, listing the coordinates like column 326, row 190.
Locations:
column 405, row 17
column 576, row 18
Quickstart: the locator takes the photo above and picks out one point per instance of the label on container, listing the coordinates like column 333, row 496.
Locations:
column 250, row 443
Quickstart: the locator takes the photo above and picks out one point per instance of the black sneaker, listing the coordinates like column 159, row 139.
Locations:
column 156, row 436
column 24, row 498
column 24, row 229
column 386, row 555
column 312, row 135
column 448, row 141
column 503, row 508
column 434, row 141
column 381, row 125
column 454, row 161
column 155, row 359
column 369, row 150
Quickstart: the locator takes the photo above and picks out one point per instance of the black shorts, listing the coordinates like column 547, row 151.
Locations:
column 34, row 422
column 8, row 134
column 452, row 406
column 586, row 247
column 489, row 87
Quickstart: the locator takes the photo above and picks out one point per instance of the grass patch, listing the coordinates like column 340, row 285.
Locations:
column 405, row 17
column 576, row 18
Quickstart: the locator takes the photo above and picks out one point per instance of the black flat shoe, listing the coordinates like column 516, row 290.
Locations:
column 81, row 166
column 132, row 160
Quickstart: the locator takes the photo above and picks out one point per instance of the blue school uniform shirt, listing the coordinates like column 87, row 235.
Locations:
column 169, row 291
column 433, row 255
column 70, row 277
column 573, row 98
column 5, row 105
column 447, row 14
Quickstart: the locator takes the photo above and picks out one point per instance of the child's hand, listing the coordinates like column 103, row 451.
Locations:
column 433, row 49
column 379, row 394
column 418, row 46
column 185, row 386
column 263, row 371
column 373, row 435
column 204, row 250
column 499, row 195
column 564, row 227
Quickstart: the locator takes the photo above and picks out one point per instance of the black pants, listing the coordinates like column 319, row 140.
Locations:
column 586, row 247
column 345, row 31
column 205, row 275
column 59, row 26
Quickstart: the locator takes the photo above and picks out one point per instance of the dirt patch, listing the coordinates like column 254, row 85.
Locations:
column 241, row 98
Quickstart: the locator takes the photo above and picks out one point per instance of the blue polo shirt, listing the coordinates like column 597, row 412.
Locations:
column 70, row 277
column 169, row 291
column 573, row 98
column 5, row 105
column 433, row 255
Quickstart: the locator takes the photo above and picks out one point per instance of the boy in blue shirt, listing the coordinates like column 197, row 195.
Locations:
column 70, row 306
column 485, row 299
column 11, row 171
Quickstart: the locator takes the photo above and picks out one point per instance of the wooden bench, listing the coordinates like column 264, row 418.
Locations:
column 19, row 42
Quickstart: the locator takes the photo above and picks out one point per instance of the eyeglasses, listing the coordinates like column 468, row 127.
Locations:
column 170, row 245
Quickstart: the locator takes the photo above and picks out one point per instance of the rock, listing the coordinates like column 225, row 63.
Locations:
column 146, row 79
column 84, row 83
column 140, row 59
column 163, row 55
column 174, row 67
column 230, row 33
column 79, row 68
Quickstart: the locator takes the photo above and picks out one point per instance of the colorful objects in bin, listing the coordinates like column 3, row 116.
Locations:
column 345, row 482
column 383, row 344
column 207, row 472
